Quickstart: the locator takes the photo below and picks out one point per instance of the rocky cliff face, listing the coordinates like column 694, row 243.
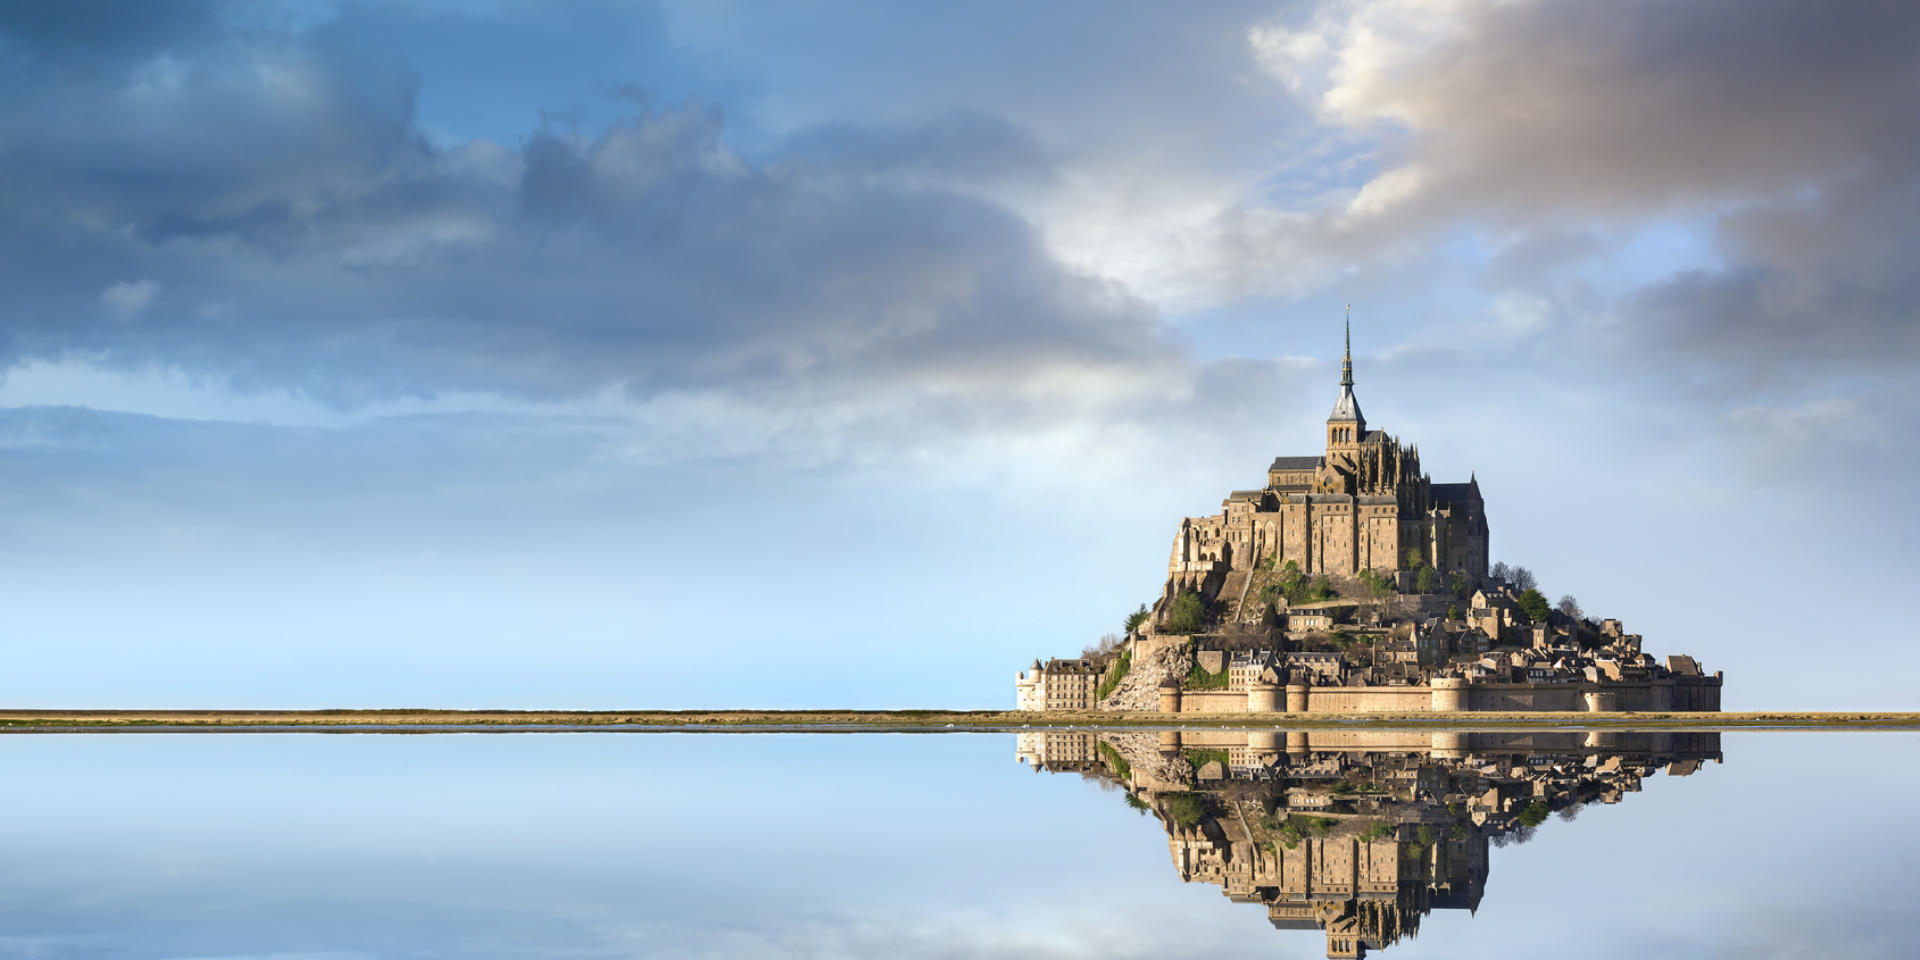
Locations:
column 1140, row 688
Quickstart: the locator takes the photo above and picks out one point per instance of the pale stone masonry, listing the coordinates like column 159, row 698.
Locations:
column 1420, row 625
column 1363, row 503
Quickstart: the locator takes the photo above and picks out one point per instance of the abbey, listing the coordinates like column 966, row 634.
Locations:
column 1351, row 583
column 1362, row 504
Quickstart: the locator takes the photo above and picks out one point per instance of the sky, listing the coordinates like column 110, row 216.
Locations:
column 720, row 354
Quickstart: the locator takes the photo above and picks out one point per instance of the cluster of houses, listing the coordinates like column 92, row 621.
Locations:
column 1491, row 641
column 1440, row 651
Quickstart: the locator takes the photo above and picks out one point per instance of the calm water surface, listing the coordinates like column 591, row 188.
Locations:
column 964, row 845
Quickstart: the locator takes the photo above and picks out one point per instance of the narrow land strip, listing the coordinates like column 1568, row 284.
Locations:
column 456, row 720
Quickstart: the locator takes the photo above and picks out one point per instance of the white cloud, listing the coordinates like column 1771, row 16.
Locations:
column 129, row 298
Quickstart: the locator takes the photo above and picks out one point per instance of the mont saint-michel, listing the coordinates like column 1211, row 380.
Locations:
column 1351, row 582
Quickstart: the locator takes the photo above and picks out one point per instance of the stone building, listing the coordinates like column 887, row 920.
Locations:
column 1057, row 685
column 1363, row 503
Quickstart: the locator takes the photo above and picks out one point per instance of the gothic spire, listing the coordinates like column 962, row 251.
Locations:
column 1346, row 366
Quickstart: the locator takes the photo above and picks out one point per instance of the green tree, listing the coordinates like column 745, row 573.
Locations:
column 1453, row 611
column 1534, row 603
column 1426, row 580
column 1187, row 809
column 1188, row 613
column 1378, row 587
column 1136, row 618
column 1415, row 558
column 1534, row 815
column 1460, row 584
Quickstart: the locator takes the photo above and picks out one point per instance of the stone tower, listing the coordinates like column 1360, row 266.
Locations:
column 1346, row 426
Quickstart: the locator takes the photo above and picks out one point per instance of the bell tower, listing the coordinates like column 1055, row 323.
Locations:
column 1346, row 426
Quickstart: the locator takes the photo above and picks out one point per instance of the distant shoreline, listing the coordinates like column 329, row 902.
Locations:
column 459, row 721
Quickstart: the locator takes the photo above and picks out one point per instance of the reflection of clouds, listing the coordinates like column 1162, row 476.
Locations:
column 1072, row 934
column 1862, row 929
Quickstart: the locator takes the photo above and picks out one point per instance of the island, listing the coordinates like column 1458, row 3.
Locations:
column 1351, row 583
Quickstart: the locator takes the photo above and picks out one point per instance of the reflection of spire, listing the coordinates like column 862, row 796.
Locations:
column 1266, row 842
column 1346, row 366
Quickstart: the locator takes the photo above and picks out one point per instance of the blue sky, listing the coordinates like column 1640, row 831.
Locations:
column 724, row 354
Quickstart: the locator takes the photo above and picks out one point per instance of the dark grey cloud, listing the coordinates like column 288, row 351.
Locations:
column 960, row 147
column 265, row 210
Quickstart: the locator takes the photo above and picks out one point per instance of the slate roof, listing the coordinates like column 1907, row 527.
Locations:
column 1297, row 463
column 1453, row 492
column 1346, row 408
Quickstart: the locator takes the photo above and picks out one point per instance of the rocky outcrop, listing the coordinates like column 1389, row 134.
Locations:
column 1140, row 688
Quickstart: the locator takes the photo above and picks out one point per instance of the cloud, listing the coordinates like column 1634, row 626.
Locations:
column 1531, row 109
column 1783, row 131
column 126, row 298
column 310, row 239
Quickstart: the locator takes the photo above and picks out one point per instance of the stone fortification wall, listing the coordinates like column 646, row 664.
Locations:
column 1212, row 701
column 1449, row 696
column 1159, row 659
column 1369, row 699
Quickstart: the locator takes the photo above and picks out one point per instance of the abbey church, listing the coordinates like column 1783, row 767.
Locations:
column 1362, row 504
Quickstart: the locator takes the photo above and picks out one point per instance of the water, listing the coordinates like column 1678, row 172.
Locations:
column 607, row 845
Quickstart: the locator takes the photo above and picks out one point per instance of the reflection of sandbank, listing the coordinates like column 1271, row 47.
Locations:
column 1359, row 833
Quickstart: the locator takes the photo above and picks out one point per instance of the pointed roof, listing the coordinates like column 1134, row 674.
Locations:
column 1346, row 365
column 1347, row 408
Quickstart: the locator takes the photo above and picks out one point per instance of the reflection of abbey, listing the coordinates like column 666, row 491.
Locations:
column 1352, row 583
column 1359, row 834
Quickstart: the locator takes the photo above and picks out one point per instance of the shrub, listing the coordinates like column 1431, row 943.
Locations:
column 1378, row 830
column 1136, row 618
column 1114, row 676
column 1186, row 809
column 1460, row 584
column 1534, row 815
column 1453, row 611
column 1415, row 558
column 1426, row 835
column 1198, row 679
column 1121, row 767
column 1201, row 757
column 1134, row 801
column 1377, row 586
column 1187, row 613
column 1426, row 580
